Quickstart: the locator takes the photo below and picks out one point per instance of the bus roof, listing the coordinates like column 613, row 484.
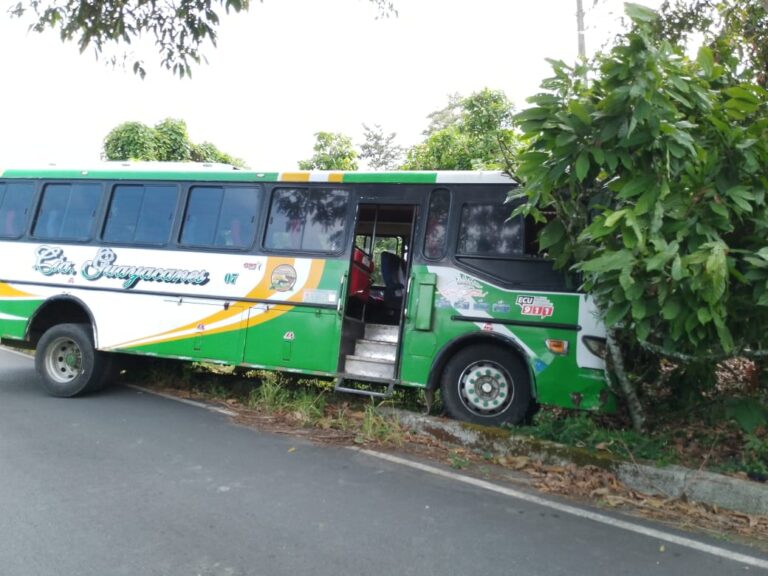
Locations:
column 226, row 173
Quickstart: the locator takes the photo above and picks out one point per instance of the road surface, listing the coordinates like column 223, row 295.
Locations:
column 127, row 483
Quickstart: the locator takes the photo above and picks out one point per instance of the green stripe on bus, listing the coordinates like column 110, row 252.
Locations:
column 233, row 176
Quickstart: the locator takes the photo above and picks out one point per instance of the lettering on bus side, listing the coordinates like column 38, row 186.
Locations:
column 51, row 261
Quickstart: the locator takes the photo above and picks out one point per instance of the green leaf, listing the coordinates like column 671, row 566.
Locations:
column 616, row 313
column 678, row 272
column 582, row 165
column 636, row 186
column 747, row 412
column 608, row 261
column 671, row 309
column 551, row 234
column 612, row 219
column 706, row 60
column 704, row 315
column 639, row 13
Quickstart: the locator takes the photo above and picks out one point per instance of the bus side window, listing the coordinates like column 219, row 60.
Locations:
column 221, row 217
column 15, row 202
column 486, row 230
column 435, row 240
column 311, row 220
column 67, row 211
column 140, row 214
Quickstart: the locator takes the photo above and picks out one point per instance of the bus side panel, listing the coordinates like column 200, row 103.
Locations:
column 17, row 306
column 300, row 337
column 464, row 304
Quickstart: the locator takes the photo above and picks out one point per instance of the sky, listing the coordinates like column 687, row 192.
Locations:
column 286, row 70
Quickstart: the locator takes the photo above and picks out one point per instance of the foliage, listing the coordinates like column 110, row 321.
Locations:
column 732, row 29
column 207, row 152
column 333, row 151
column 379, row 149
column 446, row 116
column 130, row 141
column 172, row 141
column 655, row 171
column 179, row 29
column 473, row 133
column 167, row 141
column 583, row 431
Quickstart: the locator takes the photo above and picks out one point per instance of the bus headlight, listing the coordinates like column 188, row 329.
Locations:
column 596, row 345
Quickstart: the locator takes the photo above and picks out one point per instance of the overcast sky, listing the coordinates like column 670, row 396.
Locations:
column 286, row 70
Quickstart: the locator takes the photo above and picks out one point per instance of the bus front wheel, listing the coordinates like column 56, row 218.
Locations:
column 68, row 363
column 486, row 384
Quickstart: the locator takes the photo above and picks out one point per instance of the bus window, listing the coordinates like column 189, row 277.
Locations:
column 67, row 211
column 485, row 230
column 221, row 217
column 140, row 214
column 309, row 220
column 15, row 201
column 437, row 224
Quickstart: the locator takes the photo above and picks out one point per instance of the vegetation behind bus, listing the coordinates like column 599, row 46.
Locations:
column 167, row 141
column 654, row 165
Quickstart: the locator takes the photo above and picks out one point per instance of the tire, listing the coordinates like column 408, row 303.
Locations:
column 68, row 363
column 486, row 384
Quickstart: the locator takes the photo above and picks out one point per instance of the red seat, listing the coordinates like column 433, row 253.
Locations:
column 360, row 276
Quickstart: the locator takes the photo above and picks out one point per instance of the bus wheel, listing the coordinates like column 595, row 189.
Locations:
column 486, row 384
column 67, row 362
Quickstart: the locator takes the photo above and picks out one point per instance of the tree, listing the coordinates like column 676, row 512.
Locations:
column 167, row 141
column 473, row 133
column 179, row 29
column 333, row 151
column 172, row 142
column 379, row 149
column 735, row 29
column 130, row 141
column 655, row 176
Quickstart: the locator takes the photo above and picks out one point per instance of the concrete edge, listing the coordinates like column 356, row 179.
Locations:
column 671, row 482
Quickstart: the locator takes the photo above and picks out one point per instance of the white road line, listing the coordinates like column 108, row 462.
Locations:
column 574, row 511
column 27, row 356
column 184, row 400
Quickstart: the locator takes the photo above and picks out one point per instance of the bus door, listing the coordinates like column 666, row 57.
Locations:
column 377, row 291
column 296, row 322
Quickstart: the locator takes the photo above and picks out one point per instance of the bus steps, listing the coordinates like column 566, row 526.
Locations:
column 348, row 382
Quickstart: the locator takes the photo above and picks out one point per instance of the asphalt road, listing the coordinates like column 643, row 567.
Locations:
column 125, row 483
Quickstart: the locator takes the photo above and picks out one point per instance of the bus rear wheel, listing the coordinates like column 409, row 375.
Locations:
column 68, row 363
column 486, row 384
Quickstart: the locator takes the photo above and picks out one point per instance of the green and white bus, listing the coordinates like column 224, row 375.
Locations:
column 389, row 278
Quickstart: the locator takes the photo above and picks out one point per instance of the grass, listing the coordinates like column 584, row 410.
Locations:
column 699, row 438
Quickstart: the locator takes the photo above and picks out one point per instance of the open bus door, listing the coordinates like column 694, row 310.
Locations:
column 377, row 296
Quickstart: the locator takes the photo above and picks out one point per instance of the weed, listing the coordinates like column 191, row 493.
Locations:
column 755, row 456
column 582, row 430
column 375, row 427
column 309, row 405
column 458, row 462
column 271, row 395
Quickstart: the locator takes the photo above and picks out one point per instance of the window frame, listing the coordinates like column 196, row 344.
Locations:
column 131, row 184
column 448, row 220
column 181, row 216
column 303, row 186
column 496, row 256
column 31, row 208
column 95, row 220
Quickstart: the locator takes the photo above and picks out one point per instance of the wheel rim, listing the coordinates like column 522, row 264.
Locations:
column 63, row 360
column 486, row 388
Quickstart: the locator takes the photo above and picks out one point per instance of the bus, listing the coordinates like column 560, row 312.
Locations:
column 376, row 280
